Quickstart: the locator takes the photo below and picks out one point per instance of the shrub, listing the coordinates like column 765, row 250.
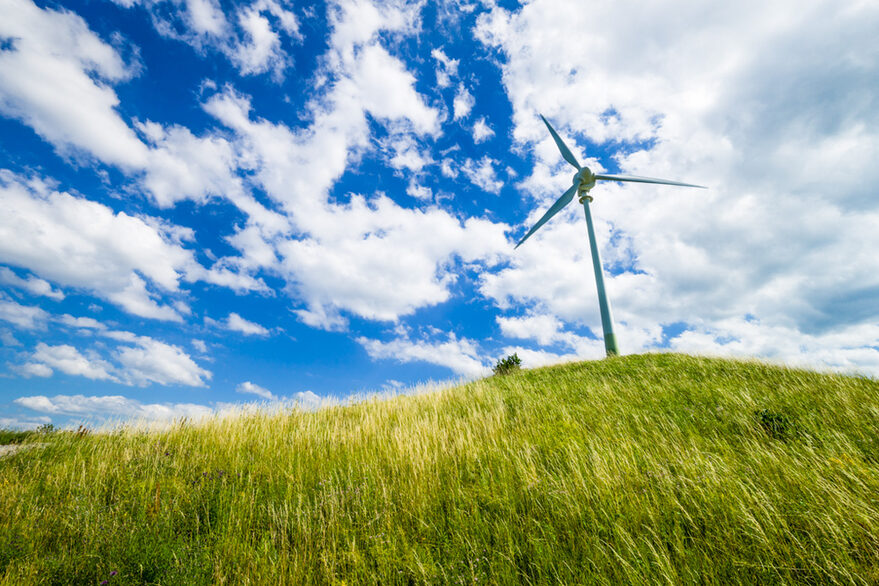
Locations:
column 507, row 365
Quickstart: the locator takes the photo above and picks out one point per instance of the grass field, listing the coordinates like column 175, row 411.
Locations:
column 645, row 469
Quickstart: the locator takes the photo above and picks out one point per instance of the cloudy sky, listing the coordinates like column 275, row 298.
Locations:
column 208, row 202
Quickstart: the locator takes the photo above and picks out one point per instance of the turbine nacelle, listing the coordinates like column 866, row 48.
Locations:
column 584, row 179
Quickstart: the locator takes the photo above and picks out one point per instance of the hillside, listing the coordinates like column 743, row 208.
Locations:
column 643, row 469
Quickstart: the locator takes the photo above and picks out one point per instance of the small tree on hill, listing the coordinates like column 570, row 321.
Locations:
column 511, row 363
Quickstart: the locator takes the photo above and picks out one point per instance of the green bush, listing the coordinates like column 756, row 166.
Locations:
column 511, row 363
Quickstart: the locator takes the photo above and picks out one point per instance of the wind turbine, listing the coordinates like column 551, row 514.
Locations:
column 585, row 180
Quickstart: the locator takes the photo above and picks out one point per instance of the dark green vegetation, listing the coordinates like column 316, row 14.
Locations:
column 9, row 436
column 511, row 363
column 643, row 469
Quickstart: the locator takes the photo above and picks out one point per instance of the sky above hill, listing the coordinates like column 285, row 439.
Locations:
column 207, row 203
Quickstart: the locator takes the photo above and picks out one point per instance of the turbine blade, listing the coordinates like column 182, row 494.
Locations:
column 637, row 179
column 566, row 152
column 556, row 207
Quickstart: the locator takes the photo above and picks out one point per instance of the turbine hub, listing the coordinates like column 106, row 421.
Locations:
column 584, row 179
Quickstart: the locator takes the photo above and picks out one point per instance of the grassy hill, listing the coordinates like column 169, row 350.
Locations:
column 643, row 469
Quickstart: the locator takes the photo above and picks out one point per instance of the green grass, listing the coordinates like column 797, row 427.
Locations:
column 638, row 470
column 11, row 436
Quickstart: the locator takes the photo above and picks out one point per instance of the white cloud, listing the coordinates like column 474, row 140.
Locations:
column 459, row 355
column 482, row 174
column 463, row 103
column 200, row 346
column 84, row 244
column 773, row 112
column 406, row 154
column 536, row 358
column 448, row 169
column 236, row 323
column 28, row 317
column 254, row 389
column 183, row 166
column 369, row 257
column 151, row 361
column 112, row 406
column 307, row 400
column 206, row 17
column 481, row 131
column 381, row 261
column 29, row 369
column 544, row 329
column 446, row 68
column 140, row 361
column 850, row 349
column 252, row 38
column 69, row 360
column 419, row 191
column 31, row 284
column 548, row 330
column 51, row 78
column 7, row 339
column 24, row 423
column 260, row 49
column 303, row 399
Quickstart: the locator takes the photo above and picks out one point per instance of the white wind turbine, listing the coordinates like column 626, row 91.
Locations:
column 585, row 180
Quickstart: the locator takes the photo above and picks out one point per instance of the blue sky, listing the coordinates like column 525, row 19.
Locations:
column 208, row 203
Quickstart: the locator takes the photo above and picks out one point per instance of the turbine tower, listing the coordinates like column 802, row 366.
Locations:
column 585, row 180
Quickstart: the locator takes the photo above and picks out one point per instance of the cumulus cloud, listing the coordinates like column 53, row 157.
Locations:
column 254, row 389
column 236, row 323
column 137, row 360
column 481, row 131
column 28, row 317
column 252, row 36
column 51, row 78
column 850, row 349
column 24, row 423
column 104, row 407
column 307, row 400
column 82, row 323
column 31, row 284
column 259, row 47
column 69, row 360
column 463, row 103
column 151, row 361
column 302, row 399
column 182, row 166
column 446, row 68
column 384, row 261
column 764, row 113
column 45, row 231
column 8, row 339
column 482, row 174
column 369, row 256
column 459, row 355
column 547, row 330
column 56, row 77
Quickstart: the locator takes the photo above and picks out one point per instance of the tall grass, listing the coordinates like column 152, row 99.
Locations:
column 637, row 470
